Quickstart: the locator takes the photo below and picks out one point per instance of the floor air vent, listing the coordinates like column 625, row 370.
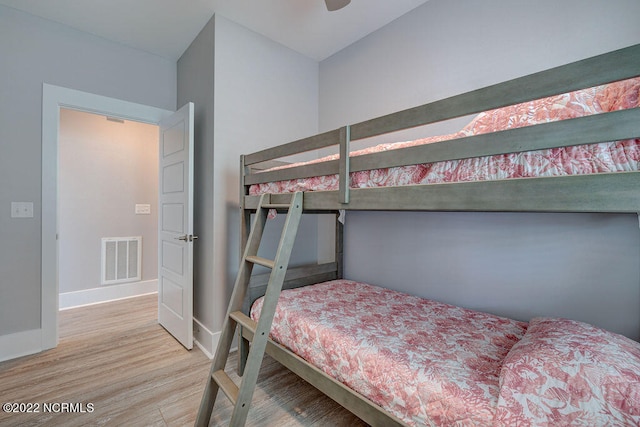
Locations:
column 121, row 257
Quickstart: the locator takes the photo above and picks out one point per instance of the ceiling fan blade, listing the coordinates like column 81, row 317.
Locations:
column 336, row 4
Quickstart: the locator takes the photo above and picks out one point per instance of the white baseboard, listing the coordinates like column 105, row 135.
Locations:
column 106, row 293
column 20, row 344
column 206, row 340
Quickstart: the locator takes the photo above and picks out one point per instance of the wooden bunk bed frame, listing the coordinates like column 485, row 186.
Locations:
column 617, row 192
column 606, row 192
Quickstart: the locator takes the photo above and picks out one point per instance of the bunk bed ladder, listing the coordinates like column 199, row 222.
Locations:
column 240, row 396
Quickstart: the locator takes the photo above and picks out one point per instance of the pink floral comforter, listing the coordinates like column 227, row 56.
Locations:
column 430, row 363
column 425, row 362
column 584, row 159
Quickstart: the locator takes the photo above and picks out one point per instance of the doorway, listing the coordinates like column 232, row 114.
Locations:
column 107, row 197
column 53, row 100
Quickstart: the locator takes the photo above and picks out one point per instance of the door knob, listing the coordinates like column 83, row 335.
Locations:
column 187, row 238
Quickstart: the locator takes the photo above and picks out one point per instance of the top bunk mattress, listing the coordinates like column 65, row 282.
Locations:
column 605, row 157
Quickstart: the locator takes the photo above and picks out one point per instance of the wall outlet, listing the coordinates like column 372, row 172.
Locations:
column 21, row 209
column 143, row 209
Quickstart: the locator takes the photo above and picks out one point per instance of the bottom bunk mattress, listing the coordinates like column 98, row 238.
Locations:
column 419, row 359
column 430, row 363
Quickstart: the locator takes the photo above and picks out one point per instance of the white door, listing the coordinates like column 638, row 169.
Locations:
column 175, row 226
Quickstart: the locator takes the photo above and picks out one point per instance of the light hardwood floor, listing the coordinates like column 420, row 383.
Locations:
column 116, row 357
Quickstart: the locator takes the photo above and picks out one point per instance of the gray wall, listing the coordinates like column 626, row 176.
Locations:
column 196, row 84
column 236, row 77
column 521, row 265
column 105, row 169
column 34, row 51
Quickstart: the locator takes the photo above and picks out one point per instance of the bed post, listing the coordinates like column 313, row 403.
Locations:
column 339, row 247
column 245, row 216
column 245, row 220
column 345, row 139
column 344, row 181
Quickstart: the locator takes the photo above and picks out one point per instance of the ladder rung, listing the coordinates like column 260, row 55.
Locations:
column 261, row 261
column 227, row 385
column 280, row 206
column 244, row 320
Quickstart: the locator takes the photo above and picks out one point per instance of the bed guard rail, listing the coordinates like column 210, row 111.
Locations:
column 609, row 67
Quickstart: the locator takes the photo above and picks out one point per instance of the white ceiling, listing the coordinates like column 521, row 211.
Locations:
column 167, row 27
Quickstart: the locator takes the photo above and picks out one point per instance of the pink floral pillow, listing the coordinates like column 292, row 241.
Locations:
column 619, row 95
column 550, row 109
column 566, row 373
column 613, row 96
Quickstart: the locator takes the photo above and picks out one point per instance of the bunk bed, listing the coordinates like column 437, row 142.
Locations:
column 581, row 121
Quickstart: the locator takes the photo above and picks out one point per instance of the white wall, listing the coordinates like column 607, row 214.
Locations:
column 257, row 94
column 105, row 169
column 35, row 51
column 521, row 265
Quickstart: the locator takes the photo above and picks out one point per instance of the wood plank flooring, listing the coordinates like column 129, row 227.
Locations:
column 117, row 358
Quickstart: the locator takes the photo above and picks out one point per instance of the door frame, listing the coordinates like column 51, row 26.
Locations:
column 54, row 98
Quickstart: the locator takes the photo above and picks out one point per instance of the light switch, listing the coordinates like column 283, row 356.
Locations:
column 21, row 209
column 143, row 209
